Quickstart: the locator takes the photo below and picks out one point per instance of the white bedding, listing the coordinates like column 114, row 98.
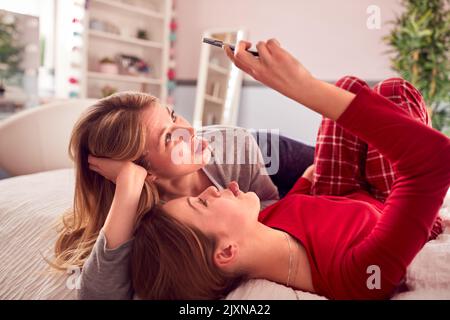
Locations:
column 30, row 204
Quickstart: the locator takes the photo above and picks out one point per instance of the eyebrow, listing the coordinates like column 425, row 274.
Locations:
column 190, row 204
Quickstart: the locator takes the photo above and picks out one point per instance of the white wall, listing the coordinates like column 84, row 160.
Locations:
column 330, row 37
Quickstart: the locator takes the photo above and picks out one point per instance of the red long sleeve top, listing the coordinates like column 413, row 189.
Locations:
column 349, row 239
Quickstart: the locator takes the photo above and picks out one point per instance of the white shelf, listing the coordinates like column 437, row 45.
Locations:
column 99, row 43
column 213, row 99
column 123, row 78
column 119, row 38
column 219, row 69
column 129, row 8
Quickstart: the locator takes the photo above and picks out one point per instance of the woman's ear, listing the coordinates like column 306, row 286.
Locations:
column 225, row 257
column 150, row 177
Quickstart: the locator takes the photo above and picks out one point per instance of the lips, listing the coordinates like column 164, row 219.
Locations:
column 234, row 188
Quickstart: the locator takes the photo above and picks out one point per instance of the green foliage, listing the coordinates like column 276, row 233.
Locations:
column 10, row 50
column 420, row 42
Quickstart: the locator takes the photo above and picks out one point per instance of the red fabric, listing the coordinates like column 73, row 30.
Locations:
column 344, row 236
column 345, row 163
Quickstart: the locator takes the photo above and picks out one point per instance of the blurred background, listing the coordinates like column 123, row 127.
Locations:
column 54, row 51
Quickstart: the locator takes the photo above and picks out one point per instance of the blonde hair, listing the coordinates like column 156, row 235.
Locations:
column 111, row 128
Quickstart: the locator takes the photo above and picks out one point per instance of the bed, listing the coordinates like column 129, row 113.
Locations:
column 30, row 204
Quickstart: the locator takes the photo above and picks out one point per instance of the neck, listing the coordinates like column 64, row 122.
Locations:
column 188, row 185
column 270, row 255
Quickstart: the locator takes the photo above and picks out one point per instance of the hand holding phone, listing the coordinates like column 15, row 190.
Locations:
column 221, row 44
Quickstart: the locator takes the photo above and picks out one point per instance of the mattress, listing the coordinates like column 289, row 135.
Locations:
column 31, row 205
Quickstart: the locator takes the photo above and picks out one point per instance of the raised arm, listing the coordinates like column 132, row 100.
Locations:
column 279, row 70
column 420, row 157
column 105, row 274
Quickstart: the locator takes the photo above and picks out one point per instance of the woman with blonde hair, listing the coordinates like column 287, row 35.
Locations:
column 134, row 127
column 202, row 247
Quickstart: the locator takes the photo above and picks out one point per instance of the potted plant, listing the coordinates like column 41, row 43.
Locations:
column 10, row 51
column 108, row 90
column 420, row 42
column 108, row 65
column 142, row 34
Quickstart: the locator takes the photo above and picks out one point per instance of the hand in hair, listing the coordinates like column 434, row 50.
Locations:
column 115, row 170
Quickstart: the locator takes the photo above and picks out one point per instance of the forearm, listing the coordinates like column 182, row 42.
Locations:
column 119, row 224
column 324, row 98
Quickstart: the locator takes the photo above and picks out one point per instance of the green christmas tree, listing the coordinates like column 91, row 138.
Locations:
column 420, row 44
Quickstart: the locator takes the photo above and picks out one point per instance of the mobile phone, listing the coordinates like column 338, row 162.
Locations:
column 221, row 44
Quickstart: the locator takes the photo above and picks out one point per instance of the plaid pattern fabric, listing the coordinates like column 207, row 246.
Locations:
column 345, row 164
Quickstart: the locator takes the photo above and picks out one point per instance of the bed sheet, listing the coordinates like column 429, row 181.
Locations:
column 30, row 206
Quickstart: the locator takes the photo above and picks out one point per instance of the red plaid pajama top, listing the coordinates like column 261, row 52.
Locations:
column 345, row 237
column 345, row 163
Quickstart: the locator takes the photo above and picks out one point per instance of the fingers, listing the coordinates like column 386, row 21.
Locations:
column 244, row 60
column 264, row 53
column 95, row 163
column 274, row 47
column 229, row 53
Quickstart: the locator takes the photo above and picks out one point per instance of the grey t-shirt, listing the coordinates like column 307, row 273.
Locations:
column 235, row 157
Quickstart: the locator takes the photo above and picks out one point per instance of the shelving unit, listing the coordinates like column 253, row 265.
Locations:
column 114, row 37
column 214, row 99
column 111, row 31
column 219, row 82
column 219, row 69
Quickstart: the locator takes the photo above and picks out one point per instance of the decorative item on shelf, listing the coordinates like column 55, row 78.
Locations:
column 173, row 37
column 108, row 90
column 73, row 80
column 108, row 65
column 76, row 20
column 171, row 74
column 104, row 26
column 142, row 34
column 76, row 55
column 132, row 65
column 171, row 85
column 74, row 94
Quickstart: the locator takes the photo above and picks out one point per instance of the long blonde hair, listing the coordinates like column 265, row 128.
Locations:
column 111, row 128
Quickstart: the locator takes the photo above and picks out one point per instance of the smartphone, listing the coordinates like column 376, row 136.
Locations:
column 221, row 44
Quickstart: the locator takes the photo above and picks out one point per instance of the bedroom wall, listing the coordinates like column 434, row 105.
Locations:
column 330, row 37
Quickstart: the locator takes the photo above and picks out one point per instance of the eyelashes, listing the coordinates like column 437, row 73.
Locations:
column 168, row 137
column 173, row 116
column 203, row 202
